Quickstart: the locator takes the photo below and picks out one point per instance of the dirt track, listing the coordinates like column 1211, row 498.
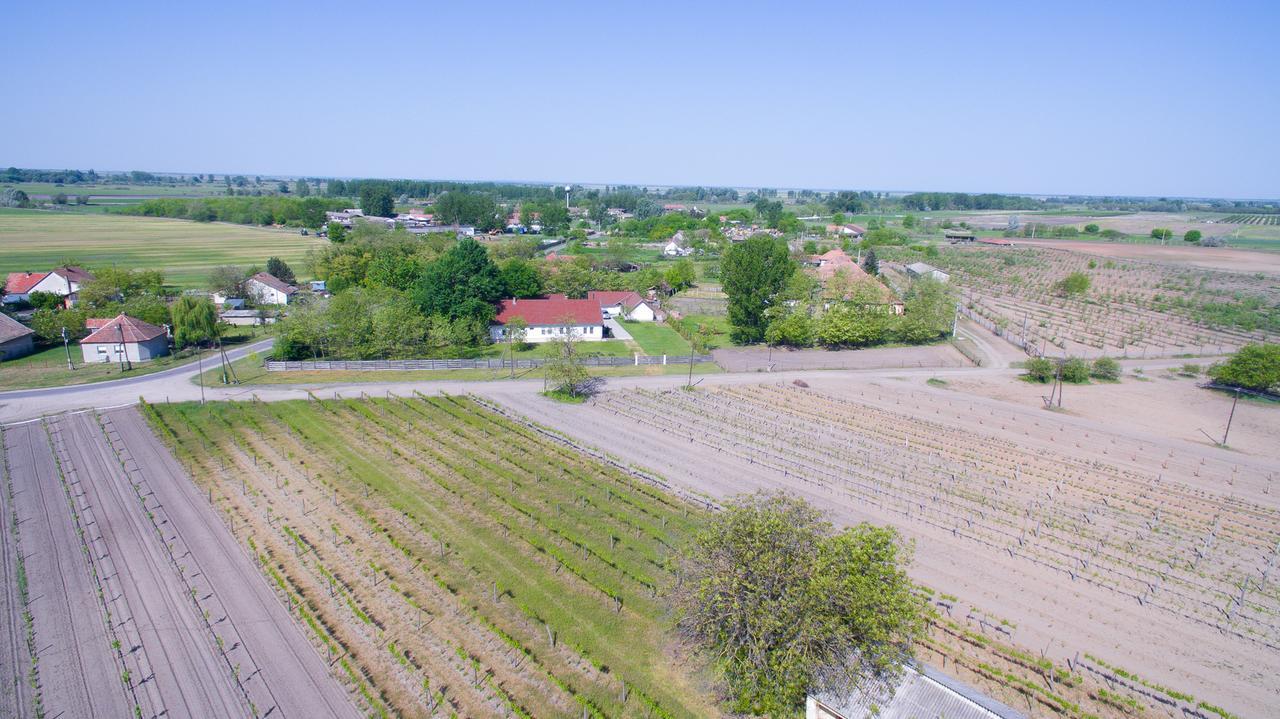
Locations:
column 199, row 632
column 1051, row 612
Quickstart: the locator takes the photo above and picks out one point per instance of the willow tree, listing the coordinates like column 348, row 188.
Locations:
column 195, row 321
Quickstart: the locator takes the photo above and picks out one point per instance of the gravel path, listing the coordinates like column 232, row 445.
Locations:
column 78, row 676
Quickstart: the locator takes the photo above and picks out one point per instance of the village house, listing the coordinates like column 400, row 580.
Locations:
column 920, row 269
column 827, row 266
column 551, row 318
column 61, row 281
column 626, row 305
column 619, row 214
column 15, row 338
column 847, row 230
column 123, row 338
column 678, row 246
column 344, row 217
column 265, row 289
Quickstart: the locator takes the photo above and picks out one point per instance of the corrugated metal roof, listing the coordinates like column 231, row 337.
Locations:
column 919, row 693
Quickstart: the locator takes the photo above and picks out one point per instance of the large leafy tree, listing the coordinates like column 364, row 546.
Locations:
column 280, row 269
column 784, row 605
column 520, row 278
column 753, row 273
column 1255, row 367
column 195, row 320
column 464, row 282
column 376, row 200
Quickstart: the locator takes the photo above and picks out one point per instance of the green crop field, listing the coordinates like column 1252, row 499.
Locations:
column 185, row 251
column 40, row 189
column 450, row 560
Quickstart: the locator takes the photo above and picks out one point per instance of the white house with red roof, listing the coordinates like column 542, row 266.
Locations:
column 265, row 289
column 625, row 304
column 123, row 337
column 61, row 281
column 550, row 318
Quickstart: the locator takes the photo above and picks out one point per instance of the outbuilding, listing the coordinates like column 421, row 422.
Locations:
column 124, row 338
column 15, row 338
column 267, row 289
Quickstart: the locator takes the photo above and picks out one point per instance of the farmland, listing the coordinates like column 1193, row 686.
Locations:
column 447, row 559
column 131, row 600
column 1131, row 308
column 185, row 251
column 1156, row 556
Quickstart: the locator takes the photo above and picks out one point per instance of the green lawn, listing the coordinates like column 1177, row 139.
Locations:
column 186, row 251
column 47, row 367
column 657, row 339
column 607, row 348
column 717, row 326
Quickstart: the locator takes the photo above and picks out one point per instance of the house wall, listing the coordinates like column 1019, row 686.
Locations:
column 17, row 347
column 265, row 295
column 538, row 334
column 642, row 313
column 134, row 351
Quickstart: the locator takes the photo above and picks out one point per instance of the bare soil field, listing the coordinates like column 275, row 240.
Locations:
column 1136, row 223
column 1065, row 535
column 1162, row 404
column 137, row 605
column 1215, row 258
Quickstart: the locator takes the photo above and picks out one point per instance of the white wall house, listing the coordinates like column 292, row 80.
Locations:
column 124, row 337
column 551, row 318
column 265, row 289
column 61, row 281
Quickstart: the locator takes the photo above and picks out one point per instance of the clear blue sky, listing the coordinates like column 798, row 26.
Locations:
column 1159, row 98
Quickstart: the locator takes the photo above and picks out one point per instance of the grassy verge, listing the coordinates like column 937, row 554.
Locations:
column 48, row 367
column 253, row 373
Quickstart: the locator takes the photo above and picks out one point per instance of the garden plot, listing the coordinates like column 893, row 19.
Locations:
column 1132, row 308
column 446, row 560
column 1016, row 510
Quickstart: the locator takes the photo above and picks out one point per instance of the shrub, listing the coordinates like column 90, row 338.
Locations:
column 1073, row 284
column 1192, row 236
column 1039, row 370
column 1105, row 368
column 1075, row 370
column 1255, row 367
column 1091, row 229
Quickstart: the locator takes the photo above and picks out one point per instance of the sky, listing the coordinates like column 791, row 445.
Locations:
column 1112, row 98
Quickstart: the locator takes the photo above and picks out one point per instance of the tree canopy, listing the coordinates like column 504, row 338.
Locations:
column 464, row 282
column 376, row 200
column 753, row 272
column 1255, row 367
column 784, row 604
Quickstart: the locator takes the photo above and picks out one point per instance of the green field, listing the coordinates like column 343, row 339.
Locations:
column 656, row 338
column 440, row 547
column 185, row 251
column 116, row 189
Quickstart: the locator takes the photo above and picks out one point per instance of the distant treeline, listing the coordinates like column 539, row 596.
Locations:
column 432, row 188
column 75, row 177
column 937, row 201
column 268, row 210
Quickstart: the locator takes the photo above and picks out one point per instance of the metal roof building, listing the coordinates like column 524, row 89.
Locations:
column 921, row 692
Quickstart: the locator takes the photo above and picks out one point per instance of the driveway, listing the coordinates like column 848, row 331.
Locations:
column 615, row 327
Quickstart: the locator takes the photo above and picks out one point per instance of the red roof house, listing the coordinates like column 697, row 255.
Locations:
column 124, row 337
column 18, row 285
column 549, row 318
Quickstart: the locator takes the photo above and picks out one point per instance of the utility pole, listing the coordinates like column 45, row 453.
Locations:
column 200, row 370
column 66, row 345
column 1231, row 416
column 124, row 351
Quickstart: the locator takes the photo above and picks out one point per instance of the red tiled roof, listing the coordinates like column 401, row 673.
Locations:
column 96, row 324
column 551, row 312
column 135, row 330
column 274, row 283
column 608, row 298
column 21, row 282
